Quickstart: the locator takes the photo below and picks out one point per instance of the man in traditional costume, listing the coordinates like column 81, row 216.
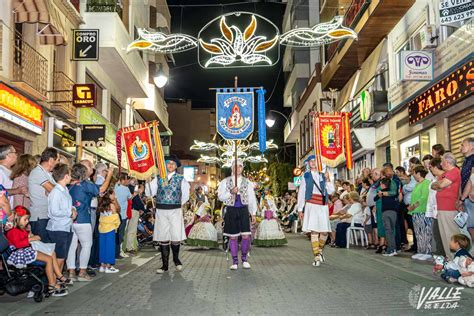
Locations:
column 171, row 194
column 313, row 197
column 241, row 204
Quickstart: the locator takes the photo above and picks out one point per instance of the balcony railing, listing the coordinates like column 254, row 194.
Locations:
column 104, row 6
column 61, row 96
column 29, row 66
column 351, row 17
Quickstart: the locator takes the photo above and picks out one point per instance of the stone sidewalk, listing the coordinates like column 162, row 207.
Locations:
column 281, row 282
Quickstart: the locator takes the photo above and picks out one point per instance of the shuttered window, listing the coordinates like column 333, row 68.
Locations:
column 461, row 126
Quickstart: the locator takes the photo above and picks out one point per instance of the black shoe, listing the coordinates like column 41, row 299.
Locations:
column 175, row 250
column 91, row 272
column 119, row 257
column 379, row 249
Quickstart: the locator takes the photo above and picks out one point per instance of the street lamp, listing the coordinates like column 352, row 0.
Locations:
column 161, row 78
column 270, row 121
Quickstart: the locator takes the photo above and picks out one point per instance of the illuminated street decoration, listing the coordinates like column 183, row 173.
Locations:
column 226, row 152
column 162, row 43
column 236, row 45
column 241, row 39
column 320, row 34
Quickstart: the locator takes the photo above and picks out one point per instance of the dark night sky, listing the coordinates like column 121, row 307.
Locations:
column 189, row 81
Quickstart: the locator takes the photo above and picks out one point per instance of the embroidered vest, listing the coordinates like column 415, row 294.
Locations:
column 169, row 196
column 308, row 177
column 243, row 191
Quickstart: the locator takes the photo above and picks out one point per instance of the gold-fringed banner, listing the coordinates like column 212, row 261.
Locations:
column 139, row 151
column 332, row 139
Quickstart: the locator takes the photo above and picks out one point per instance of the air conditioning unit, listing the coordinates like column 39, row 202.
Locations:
column 428, row 37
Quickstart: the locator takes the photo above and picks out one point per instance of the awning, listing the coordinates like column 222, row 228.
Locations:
column 149, row 115
column 50, row 24
column 363, row 141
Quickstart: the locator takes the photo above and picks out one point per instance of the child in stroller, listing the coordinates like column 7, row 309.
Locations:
column 27, row 248
column 146, row 226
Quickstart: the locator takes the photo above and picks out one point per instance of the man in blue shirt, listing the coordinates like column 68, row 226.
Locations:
column 122, row 192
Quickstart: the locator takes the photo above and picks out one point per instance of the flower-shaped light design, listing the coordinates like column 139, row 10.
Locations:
column 226, row 152
column 162, row 43
column 237, row 46
column 317, row 35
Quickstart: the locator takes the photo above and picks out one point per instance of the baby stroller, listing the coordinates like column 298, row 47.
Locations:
column 18, row 281
column 145, row 231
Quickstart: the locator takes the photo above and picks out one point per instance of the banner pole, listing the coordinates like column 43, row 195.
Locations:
column 236, row 80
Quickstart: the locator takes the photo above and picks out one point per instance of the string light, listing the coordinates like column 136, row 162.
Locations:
column 162, row 43
column 317, row 35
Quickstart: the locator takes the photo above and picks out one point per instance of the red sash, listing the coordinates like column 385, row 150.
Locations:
column 316, row 199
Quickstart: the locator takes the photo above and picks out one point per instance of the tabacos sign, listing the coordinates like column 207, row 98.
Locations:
column 451, row 89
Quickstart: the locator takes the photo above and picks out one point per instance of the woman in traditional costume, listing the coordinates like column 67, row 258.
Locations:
column 269, row 233
column 203, row 233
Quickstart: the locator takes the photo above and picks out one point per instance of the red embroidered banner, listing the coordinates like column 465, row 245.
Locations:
column 332, row 141
column 139, row 151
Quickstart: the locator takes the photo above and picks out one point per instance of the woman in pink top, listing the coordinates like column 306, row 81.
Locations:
column 446, row 198
column 20, row 173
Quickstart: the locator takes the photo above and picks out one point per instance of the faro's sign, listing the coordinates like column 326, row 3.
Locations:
column 451, row 89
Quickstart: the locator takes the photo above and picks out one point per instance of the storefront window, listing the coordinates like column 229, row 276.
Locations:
column 115, row 113
column 417, row 146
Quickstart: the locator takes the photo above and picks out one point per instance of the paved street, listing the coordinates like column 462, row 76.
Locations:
column 281, row 282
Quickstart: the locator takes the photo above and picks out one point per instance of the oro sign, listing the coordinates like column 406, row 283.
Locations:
column 86, row 45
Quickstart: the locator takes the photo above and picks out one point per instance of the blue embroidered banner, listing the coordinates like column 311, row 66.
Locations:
column 262, row 127
column 234, row 114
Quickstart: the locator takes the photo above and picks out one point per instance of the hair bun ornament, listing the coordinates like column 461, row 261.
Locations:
column 21, row 211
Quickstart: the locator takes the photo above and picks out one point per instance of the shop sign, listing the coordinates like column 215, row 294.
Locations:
column 86, row 45
column 451, row 11
column 67, row 137
column 18, row 109
column 93, row 135
column 83, row 95
column 91, row 116
column 366, row 105
column 416, row 65
column 446, row 92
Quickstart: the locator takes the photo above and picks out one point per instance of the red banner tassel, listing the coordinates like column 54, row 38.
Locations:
column 347, row 137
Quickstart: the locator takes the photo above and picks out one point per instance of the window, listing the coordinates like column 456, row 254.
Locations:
column 306, row 135
column 115, row 113
column 98, row 92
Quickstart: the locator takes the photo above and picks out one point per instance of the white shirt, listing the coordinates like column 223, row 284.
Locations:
column 357, row 214
column 302, row 190
column 5, row 180
column 152, row 187
column 224, row 195
column 367, row 214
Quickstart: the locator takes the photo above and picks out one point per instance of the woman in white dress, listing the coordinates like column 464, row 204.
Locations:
column 269, row 232
column 203, row 233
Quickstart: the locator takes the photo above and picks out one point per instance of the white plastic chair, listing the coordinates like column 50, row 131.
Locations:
column 294, row 227
column 351, row 235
